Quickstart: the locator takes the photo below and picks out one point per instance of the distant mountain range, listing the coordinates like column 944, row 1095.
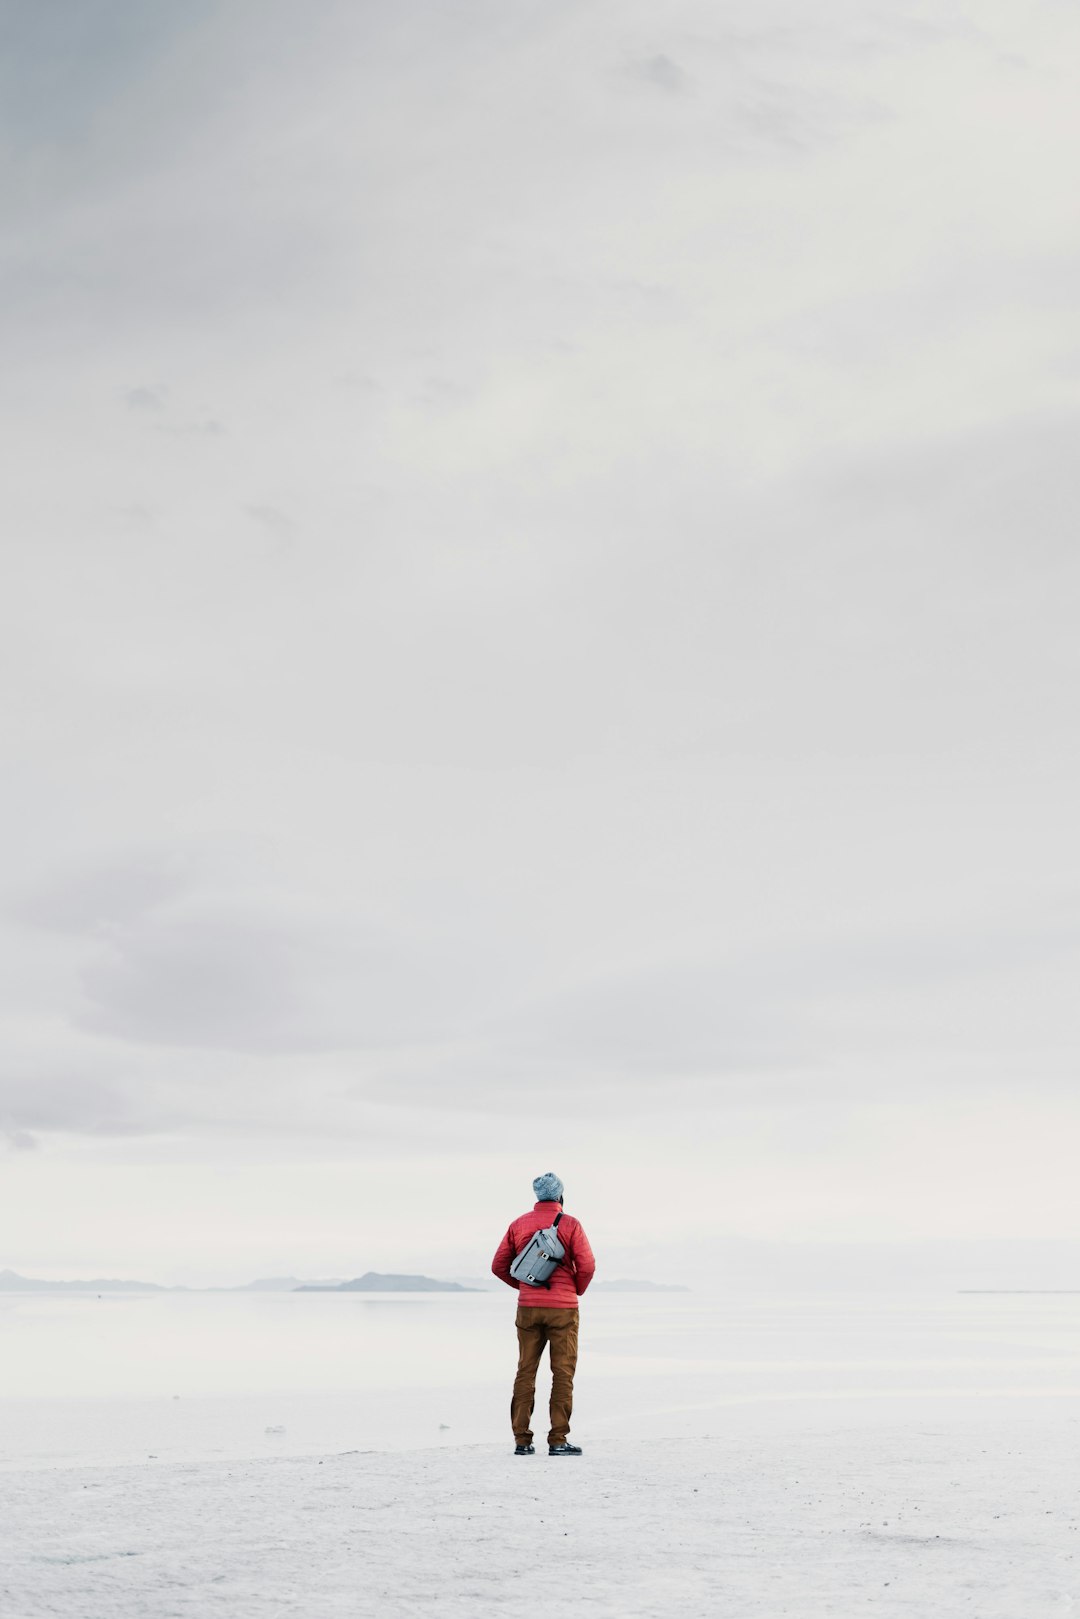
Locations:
column 374, row 1282
column 12, row 1283
column 280, row 1284
column 371, row 1282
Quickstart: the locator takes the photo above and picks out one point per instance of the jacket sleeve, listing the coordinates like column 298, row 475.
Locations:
column 584, row 1259
column 504, row 1257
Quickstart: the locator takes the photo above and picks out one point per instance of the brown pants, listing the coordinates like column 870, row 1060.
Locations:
column 538, row 1325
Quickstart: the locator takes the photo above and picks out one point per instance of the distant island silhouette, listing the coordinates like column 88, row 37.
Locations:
column 11, row 1282
column 374, row 1282
column 371, row 1282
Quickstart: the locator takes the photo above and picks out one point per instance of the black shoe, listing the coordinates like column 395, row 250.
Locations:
column 564, row 1450
column 524, row 1450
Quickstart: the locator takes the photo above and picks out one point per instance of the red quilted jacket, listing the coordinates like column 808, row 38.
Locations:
column 572, row 1275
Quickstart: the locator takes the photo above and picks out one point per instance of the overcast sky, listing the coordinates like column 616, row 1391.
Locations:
column 539, row 629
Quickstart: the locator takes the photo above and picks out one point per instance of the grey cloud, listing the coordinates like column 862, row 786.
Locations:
column 360, row 381
column 243, row 979
column 202, row 950
column 662, row 72
column 766, row 1018
column 236, row 212
column 275, row 522
column 680, row 1019
column 669, row 704
column 145, row 399
column 59, row 64
column 138, row 516
column 45, row 1101
column 770, row 1030
column 785, row 117
column 102, row 893
column 442, row 394
column 208, row 427
column 1001, row 491
column 224, row 984
column 175, row 955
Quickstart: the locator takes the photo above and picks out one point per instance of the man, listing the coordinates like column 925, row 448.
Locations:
column 546, row 1315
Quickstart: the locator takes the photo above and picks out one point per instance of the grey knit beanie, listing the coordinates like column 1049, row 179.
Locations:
column 548, row 1188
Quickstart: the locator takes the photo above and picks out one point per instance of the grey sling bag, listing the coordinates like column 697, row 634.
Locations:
column 540, row 1257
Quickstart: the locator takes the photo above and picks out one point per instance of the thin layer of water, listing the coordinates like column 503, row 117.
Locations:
column 187, row 1376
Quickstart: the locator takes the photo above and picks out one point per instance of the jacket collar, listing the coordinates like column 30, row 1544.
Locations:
column 548, row 1203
